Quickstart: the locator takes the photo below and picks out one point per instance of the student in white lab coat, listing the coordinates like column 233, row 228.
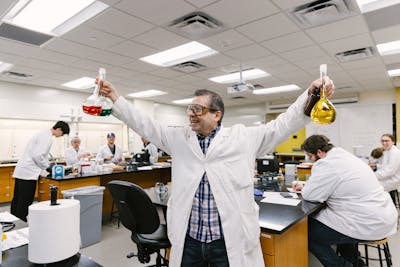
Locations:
column 32, row 162
column 151, row 149
column 110, row 153
column 211, row 208
column 76, row 152
column 388, row 172
column 357, row 207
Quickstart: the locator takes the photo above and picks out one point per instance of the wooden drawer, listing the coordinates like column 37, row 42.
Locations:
column 5, row 189
column 267, row 243
column 6, row 197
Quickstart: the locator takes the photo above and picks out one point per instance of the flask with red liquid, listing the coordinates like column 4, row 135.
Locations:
column 98, row 105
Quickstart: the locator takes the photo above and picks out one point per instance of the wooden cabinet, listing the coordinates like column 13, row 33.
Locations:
column 286, row 249
column 45, row 184
column 6, row 183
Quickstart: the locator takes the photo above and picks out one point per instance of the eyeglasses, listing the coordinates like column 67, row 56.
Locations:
column 198, row 110
column 384, row 141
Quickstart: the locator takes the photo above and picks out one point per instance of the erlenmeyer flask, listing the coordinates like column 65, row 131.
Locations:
column 323, row 111
column 105, row 102
column 92, row 104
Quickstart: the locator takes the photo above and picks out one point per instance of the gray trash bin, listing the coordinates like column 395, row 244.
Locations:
column 91, row 201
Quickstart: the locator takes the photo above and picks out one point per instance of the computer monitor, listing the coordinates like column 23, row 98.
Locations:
column 267, row 165
column 143, row 158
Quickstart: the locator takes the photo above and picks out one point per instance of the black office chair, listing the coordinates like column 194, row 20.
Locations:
column 138, row 214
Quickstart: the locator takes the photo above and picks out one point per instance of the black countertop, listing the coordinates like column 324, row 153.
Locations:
column 273, row 218
column 88, row 175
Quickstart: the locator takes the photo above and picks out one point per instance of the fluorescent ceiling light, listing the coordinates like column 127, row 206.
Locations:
column 183, row 101
column 179, row 54
column 390, row 48
column 5, row 66
column 147, row 93
column 393, row 73
column 235, row 77
column 81, row 83
column 274, row 90
column 370, row 5
column 51, row 16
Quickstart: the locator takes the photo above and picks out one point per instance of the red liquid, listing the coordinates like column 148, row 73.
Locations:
column 92, row 110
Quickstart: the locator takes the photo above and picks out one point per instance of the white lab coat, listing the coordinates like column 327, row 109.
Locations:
column 356, row 204
column 229, row 164
column 388, row 172
column 105, row 152
column 153, row 152
column 34, row 159
column 71, row 155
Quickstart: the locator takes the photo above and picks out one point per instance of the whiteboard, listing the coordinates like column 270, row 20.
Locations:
column 358, row 127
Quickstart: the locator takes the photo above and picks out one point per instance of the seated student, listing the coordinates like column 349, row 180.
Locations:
column 110, row 153
column 151, row 149
column 388, row 172
column 357, row 207
column 76, row 152
column 376, row 158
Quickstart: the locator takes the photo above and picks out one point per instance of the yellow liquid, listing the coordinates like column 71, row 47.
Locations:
column 323, row 112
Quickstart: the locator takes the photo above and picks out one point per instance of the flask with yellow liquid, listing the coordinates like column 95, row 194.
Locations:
column 323, row 111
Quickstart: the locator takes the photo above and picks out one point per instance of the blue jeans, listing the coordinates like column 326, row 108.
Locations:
column 200, row 254
column 320, row 240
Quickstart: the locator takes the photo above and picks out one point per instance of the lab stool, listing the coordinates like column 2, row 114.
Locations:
column 381, row 245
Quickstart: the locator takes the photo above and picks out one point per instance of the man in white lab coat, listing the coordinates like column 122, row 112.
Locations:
column 110, row 153
column 76, row 152
column 151, row 149
column 32, row 162
column 357, row 207
column 212, row 217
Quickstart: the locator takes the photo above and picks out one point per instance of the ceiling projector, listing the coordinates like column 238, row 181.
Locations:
column 240, row 87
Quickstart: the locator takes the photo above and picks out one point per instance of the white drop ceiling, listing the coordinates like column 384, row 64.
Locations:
column 258, row 34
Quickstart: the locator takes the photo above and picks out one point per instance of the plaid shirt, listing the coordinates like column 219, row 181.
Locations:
column 205, row 223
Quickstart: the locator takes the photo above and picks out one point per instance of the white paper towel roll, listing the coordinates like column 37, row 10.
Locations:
column 53, row 231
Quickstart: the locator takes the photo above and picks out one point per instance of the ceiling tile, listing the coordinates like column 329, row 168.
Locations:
column 39, row 64
column 156, row 11
column 110, row 58
column 165, row 73
column 132, row 49
column 119, row 23
column 160, row 39
column 387, row 34
column 70, row 48
column 268, row 61
column 92, row 37
column 215, row 61
column 140, row 66
column 391, row 59
column 333, row 31
column 365, row 63
column 303, row 53
column 201, row 3
column 350, row 43
column 240, row 12
column 383, row 18
column 226, row 40
column 288, row 42
column 248, row 52
column 268, row 28
column 285, row 4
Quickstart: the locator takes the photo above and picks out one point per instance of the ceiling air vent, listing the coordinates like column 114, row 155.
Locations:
column 19, row 34
column 356, row 54
column 321, row 12
column 188, row 67
column 196, row 25
column 17, row 75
